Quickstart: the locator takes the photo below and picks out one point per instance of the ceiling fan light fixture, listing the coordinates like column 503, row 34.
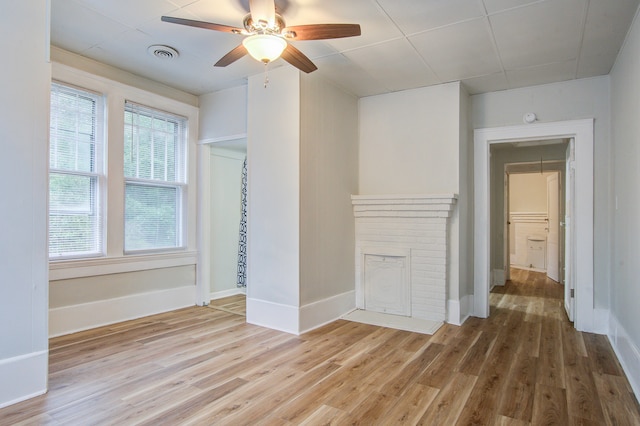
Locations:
column 264, row 47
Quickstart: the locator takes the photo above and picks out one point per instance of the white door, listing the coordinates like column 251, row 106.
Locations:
column 569, row 238
column 553, row 227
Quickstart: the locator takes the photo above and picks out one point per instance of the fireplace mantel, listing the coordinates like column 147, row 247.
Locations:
column 408, row 233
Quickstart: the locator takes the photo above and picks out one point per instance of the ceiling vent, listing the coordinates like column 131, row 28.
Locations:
column 162, row 52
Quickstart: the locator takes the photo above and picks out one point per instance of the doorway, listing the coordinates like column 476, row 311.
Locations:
column 580, row 227
column 534, row 214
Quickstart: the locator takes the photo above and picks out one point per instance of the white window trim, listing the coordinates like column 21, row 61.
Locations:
column 115, row 259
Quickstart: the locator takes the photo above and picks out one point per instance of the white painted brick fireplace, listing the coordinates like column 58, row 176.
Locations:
column 402, row 254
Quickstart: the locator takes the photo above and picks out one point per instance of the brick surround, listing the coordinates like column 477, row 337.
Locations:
column 412, row 224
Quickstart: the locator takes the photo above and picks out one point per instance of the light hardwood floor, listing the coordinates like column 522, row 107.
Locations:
column 202, row 366
column 232, row 304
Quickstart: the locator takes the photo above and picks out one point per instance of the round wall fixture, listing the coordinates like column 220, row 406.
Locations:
column 529, row 118
column 162, row 51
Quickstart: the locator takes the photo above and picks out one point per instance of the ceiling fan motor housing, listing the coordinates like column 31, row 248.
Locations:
column 263, row 27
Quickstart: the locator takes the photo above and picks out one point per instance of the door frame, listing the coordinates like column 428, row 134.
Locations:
column 582, row 132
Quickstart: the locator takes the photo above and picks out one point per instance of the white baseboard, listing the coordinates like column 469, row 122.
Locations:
column 498, row 277
column 23, row 377
column 627, row 351
column 227, row 293
column 273, row 315
column 69, row 319
column 317, row 314
column 459, row 310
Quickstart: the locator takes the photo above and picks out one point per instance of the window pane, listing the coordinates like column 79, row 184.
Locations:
column 71, row 193
column 75, row 220
column 73, row 129
column 154, row 144
column 151, row 217
column 74, row 225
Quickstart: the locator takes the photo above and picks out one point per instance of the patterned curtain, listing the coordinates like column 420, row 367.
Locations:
column 242, row 244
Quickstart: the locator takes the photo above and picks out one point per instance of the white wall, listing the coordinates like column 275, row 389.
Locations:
column 223, row 113
column 302, row 160
column 528, row 192
column 24, row 117
column 226, row 212
column 409, row 141
column 329, row 175
column 570, row 100
column 625, row 291
column 273, row 159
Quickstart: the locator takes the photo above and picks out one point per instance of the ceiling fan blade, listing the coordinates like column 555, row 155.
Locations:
column 321, row 31
column 232, row 56
column 298, row 59
column 263, row 10
column 202, row 24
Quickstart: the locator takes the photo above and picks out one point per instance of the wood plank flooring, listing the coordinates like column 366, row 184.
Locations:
column 232, row 304
column 524, row 365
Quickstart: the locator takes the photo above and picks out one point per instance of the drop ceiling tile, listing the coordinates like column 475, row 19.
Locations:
column 606, row 27
column 414, row 16
column 458, row 51
column 542, row 74
column 381, row 62
column 228, row 12
column 494, row 6
column 540, row 33
column 486, row 83
column 375, row 25
column 594, row 65
column 130, row 13
column 187, row 72
column 77, row 28
column 350, row 77
column 205, row 44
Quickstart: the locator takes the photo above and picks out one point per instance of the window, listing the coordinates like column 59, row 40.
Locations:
column 155, row 179
column 75, row 173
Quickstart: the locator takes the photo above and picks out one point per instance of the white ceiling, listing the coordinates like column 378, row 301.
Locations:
column 488, row 44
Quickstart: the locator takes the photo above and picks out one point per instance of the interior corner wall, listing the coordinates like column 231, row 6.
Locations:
column 465, row 198
column 570, row 100
column 24, row 130
column 625, row 291
column 329, row 176
column 273, row 160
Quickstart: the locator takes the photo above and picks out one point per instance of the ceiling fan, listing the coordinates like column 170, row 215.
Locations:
column 268, row 35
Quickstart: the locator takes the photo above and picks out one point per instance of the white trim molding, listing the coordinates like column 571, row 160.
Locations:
column 70, row 319
column 64, row 270
column 317, row 314
column 23, row 377
column 627, row 352
column 582, row 131
column 273, row 315
column 459, row 310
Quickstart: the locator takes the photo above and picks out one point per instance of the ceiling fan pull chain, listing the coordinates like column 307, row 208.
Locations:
column 266, row 75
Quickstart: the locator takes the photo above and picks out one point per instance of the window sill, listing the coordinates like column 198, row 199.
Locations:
column 64, row 270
